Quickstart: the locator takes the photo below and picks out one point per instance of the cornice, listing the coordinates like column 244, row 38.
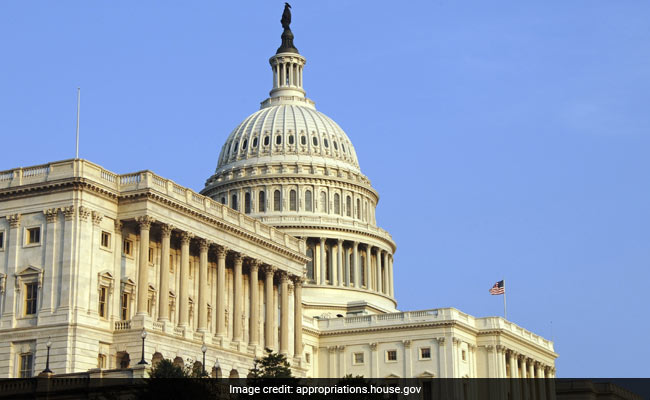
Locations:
column 519, row 340
column 336, row 229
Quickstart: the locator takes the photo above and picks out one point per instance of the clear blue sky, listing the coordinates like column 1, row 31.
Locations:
column 507, row 139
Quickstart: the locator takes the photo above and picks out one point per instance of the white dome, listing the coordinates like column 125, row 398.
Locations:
column 292, row 131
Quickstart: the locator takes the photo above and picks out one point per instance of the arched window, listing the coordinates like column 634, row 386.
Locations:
column 315, row 141
column 255, row 142
column 358, row 209
column 223, row 200
column 247, row 203
column 278, row 139
column 310, row 263
column 308, row 201
column 277, row 206
column 336, row 146
column 266, row 140
column 233, row 204
column 235, row 147
column 261, row 200
column 303, row 140
column 326, row 143
column 348, row 206
column 290, row 139
column 292, row 201
column 323, row 202
column 244, row 144
column 337, row 204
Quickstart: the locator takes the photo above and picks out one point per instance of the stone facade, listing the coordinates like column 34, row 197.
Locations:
column 281, row 249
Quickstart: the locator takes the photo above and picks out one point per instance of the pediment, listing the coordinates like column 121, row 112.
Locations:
column 427, row 374
column 392, row 376
column 106, row 274
column 128, row 281
column 30, row 270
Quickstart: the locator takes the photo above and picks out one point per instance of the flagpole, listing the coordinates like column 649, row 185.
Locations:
column 505, row 310
column 78, row 108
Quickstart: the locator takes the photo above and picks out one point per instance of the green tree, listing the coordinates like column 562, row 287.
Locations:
column 272, row 365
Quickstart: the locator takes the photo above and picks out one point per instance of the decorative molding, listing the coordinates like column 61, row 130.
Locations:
column 186, row 237
column 68, row 213
column 204, row 245
column 118, row 225
column 222, row 251
column 373, row 346
column 407, row 344
column 166, row 230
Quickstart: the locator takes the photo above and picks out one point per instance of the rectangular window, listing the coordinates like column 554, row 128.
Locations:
column 425, row 353
column 150, row 306
column 106, row 239
column 102, row 302
column 127, row 249
column 101, row 361
column 33, row 235
column 357, row 358
column 2, row 240
column 307, row 358
column 171, row 263
column 151, row 254
column 31, row 294
column 464, row 355
column 391, row 355
column 26, row 365
column 125, row 307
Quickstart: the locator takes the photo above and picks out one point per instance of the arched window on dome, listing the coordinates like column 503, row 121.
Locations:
column 293, row 200
column 336, row 146
column 233, row 203
column 261, row 201
column 277, row 205
column 303, row 140
column 310, row 263
column 326, row 143
column 234, row 148
column 348, row 206
column 308, row 201
column 314, row 140
column 254, row 145
column 358, row 208
column 247, row 203
column 337, row 204
column 266, row 140
column 323, row 202
column 244, row 144
column 290, row 139
column 278, row 139
column 343, row 147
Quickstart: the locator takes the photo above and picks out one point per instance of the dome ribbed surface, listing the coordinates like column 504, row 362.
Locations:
column 289, row 131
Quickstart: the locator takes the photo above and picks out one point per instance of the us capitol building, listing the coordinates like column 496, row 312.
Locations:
column 281, row 249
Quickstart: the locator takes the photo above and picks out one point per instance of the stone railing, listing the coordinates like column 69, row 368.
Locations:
column 432, row 315
column 122, row 325
column 145, row 180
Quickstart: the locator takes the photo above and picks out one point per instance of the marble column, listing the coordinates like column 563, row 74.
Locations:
column 323, row 266
column 269, row 326
column 391, row 287
column 238, row 300
column 297, row 316
column 204, row 245
column 143, row 263
column 347, row 266
column 367, row 267
column 334, row 276
column 284, row 313
column 254, row 321
column 221, row 291
column 339, row 262
column 355, row 264
column 385, row 282
column 378, row 271
column 183, row 299
column 163, row 293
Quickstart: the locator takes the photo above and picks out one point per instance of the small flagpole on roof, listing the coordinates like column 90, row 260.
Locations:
column 505, row 310
column 78, row 109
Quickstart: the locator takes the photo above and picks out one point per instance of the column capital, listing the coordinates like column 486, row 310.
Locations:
column 50, row 214
column 222, row 251
column 254, row 264
column 97, row 217
column 166, row 230
column 238, row 258
column 84, row 212
column 14, row 220
column 68, row 212
column 297, row 280
column 441, row 341
column 373, row 346
column 204, row 244
column 521, row 357
column 284, row 276
column 407, row 344
column 457, row 341
column 118, row 225
column 186, row 237
column 145, row 221
column 268, row 269
column 339, row 241
column 322, row 239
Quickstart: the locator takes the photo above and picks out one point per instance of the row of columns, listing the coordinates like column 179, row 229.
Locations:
column 378, row 277
column 287, row 74
column 145, row 223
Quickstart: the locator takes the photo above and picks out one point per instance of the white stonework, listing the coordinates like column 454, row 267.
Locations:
column 292, row 260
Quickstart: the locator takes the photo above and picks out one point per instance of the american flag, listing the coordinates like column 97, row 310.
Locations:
column 498, row 288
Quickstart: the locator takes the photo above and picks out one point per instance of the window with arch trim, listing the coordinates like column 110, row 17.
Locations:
column 308, row 201
column 358, row 208
column 348, row 206
column 266, row 140
column 247, row 203
column 278, row 140
column 277, row 205
column 303, row 140
column 310, row 263
column 293, row 200
column 233, row 204
column 337, row 204
column 261, row 201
